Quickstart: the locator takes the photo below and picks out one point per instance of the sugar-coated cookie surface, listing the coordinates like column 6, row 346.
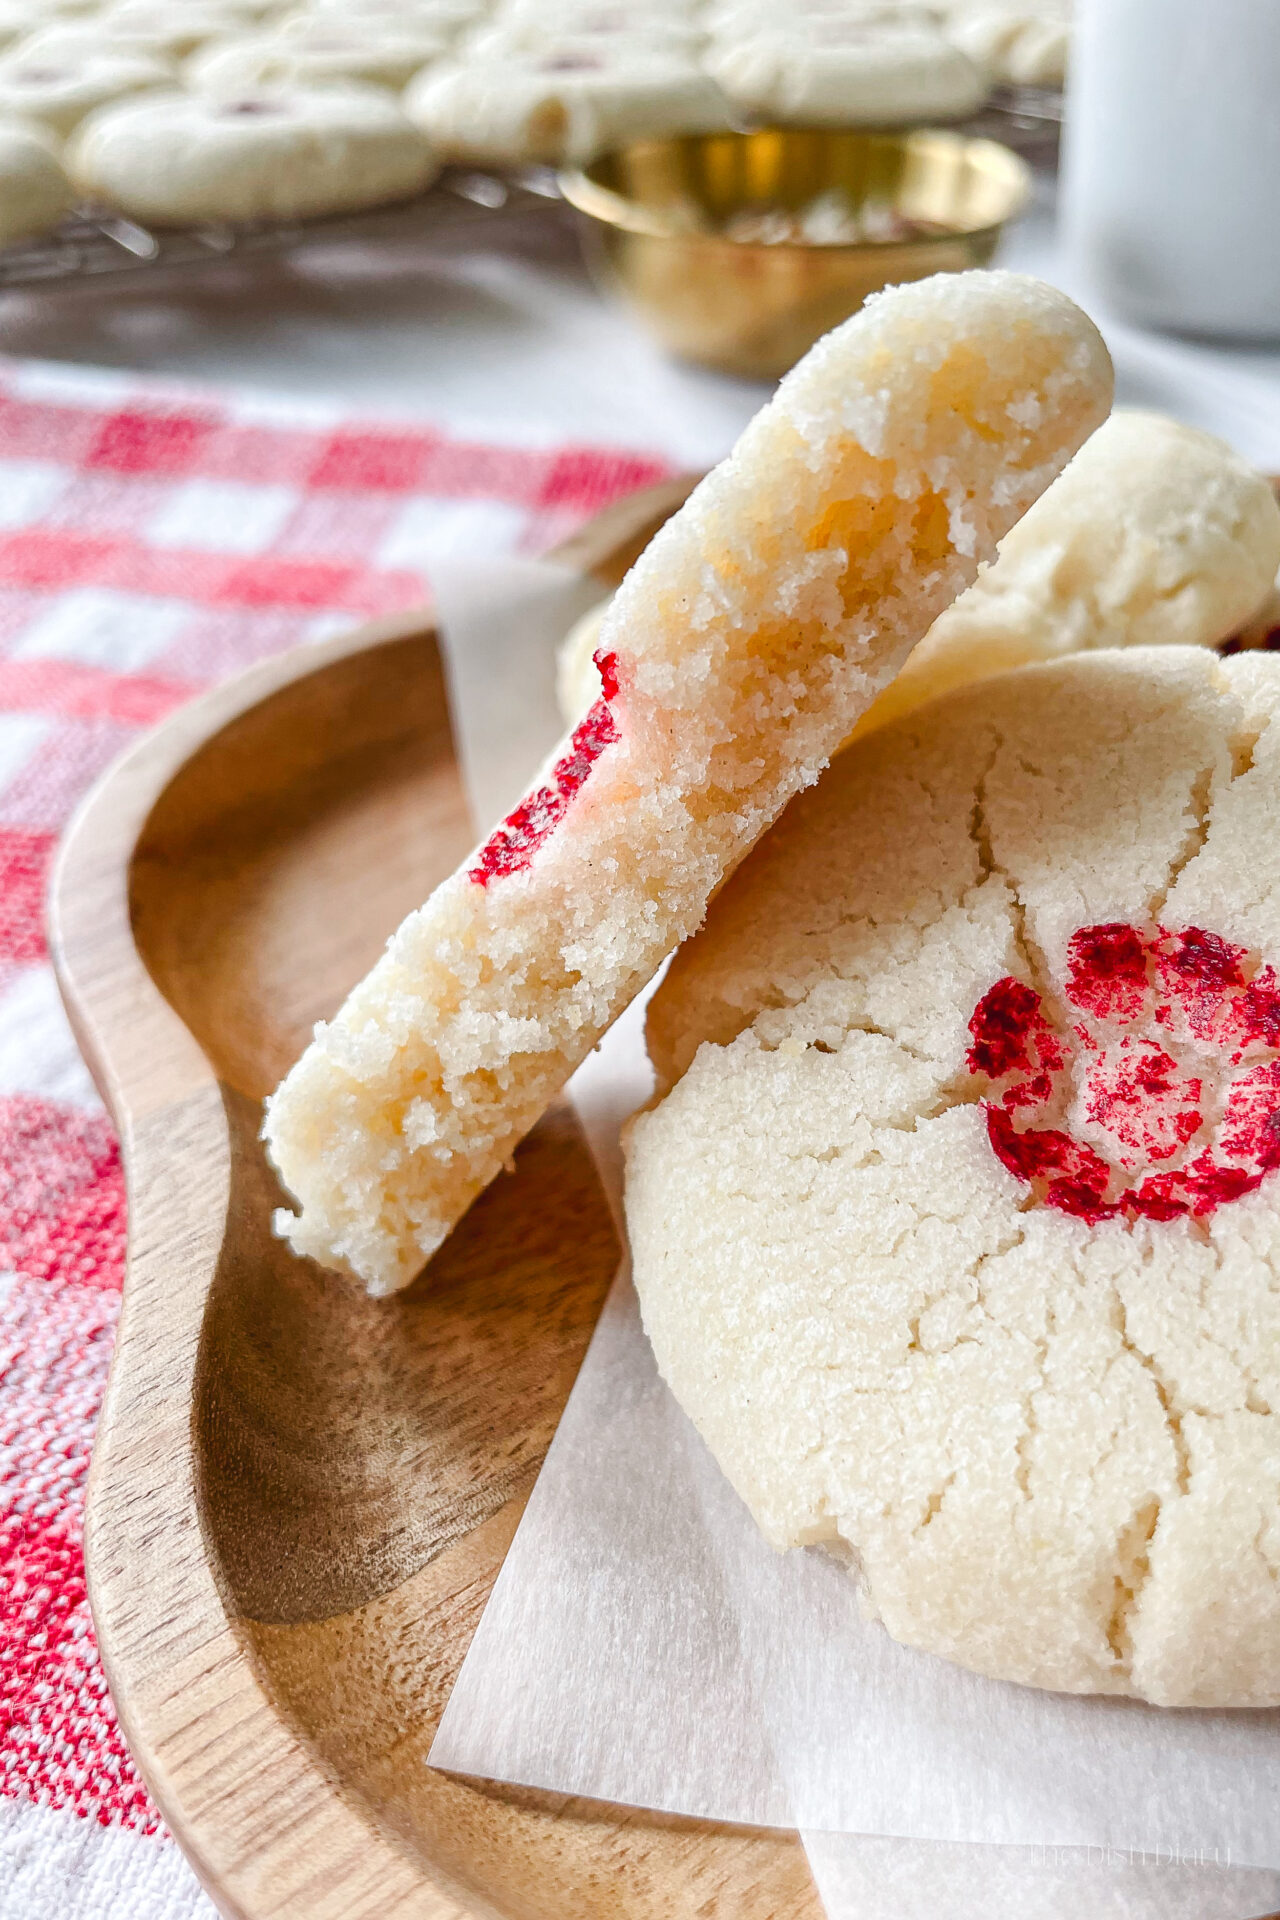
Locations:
column 34, row 191
column 1155, row 535
column 958, row 1238
column 748, row 638
column 272, row 153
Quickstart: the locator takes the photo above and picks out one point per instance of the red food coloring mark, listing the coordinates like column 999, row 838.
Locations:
column 1198, row 970
column 1146, row 1106
column 1077, row 1178
column 1107, row 971
column 1251, row 1119
column 1008, row 1030
column 1196, row 1190
column 511, row 847
column 1258, row 1011
column 1136, row 1093
column 605, row 662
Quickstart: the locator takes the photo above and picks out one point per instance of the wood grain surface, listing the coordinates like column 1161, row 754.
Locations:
column 300, row 1498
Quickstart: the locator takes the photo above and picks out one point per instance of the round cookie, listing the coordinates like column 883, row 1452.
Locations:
column 57, row 90
column 1155, row 535
column 148, row 27
column 605, row 33
column 317, row 50
column 561, row 106
column 284, row 153
column 848, row 72
column 18, row 18
column 1024, row 44
column 447, row 16
column 34, row 191
column 958, row 1238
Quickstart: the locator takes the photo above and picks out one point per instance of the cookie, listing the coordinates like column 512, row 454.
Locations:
column 18, row 18
column 1024, row 44
column 605, row 34
column 35, row 193
column 57, row 90
column 739, row 651
column 316, row 50
column 448, row 18
column 958, row 1239
column 562, row 106
column 149, row 27
column 274, row 154
column 847, row 73
column 1155, row 535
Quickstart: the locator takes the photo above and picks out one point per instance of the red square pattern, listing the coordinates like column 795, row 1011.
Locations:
column 24, row 867
column 150, row 440
column 62, row 1204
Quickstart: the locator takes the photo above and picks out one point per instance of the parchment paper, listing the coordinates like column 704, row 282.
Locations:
column 643, row 1645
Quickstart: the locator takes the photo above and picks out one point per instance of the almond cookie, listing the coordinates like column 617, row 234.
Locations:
column 272, row 154
column 743, row 645
column 958, row 1238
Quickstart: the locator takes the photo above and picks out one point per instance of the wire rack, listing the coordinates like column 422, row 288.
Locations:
column 95, row 241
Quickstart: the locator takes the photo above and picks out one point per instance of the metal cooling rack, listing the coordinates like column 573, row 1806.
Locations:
column 97, row 241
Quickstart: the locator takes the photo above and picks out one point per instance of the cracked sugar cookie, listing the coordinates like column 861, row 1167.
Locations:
column 747, row 639
column 958, row 1239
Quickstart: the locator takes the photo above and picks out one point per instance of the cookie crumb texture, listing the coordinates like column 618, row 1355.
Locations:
column 957, row 1233
column 752, row 633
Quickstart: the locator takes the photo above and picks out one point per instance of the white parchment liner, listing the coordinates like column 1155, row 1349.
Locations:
column 643, row 1645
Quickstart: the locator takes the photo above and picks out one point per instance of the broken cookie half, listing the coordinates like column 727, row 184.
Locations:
column 958, row 1229
column 743, row 646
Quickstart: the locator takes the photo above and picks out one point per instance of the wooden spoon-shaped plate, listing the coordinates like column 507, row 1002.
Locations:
column 300, row 1498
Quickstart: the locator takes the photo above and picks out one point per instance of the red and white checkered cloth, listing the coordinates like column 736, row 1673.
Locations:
column 152, row 540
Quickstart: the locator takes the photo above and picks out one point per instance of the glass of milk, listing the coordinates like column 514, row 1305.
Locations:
column 1171, row 164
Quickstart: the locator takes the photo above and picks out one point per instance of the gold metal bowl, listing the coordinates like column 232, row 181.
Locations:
column 659, row 219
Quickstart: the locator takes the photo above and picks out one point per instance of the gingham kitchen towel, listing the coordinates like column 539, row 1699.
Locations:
column 152, row 540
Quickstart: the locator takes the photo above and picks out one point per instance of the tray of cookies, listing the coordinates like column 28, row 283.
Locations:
column 132, row 132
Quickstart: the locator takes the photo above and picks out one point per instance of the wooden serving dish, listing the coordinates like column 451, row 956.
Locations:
column 300, row 1497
